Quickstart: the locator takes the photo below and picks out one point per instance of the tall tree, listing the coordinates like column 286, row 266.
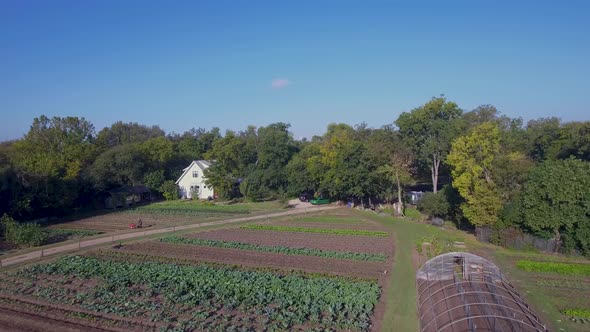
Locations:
column 472, row 159
column 120, row 133
column 394, row 161
column 50, row 158
column 542, row 134
column 229, row 166
column 556, row 202
column 429, row 130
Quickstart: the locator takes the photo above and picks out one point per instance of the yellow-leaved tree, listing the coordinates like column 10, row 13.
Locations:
column 471, row 159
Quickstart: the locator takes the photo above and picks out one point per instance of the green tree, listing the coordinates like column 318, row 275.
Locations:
column 120, row 133
column 123, row 165
column 230, row 164
column 429, row 130
column 556, row 203
column 542, row 135
column 394, row 161
column 472, row 158
column 300, row 170
column 49, row 162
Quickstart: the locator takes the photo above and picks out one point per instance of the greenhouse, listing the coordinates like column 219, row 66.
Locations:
column 459, row 291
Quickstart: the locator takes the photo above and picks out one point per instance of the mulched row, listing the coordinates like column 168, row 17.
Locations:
column 253, row 258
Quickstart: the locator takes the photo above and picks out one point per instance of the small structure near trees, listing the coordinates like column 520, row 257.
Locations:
column 459, row 291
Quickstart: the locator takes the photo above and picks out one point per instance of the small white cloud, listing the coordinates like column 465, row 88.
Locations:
column 279, row 83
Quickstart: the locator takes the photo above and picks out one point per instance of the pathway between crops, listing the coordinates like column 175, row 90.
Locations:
column 113, row 238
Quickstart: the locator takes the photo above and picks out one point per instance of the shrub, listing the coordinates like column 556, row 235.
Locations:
column 434, row 204
column 26, row 234
column 169, row 190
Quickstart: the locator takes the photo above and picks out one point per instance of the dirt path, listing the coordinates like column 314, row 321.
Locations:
column 113, row 238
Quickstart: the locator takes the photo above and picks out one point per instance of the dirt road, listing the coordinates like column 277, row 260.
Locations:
column 113, row 238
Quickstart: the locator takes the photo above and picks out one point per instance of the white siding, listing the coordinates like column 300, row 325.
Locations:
column 187, row 181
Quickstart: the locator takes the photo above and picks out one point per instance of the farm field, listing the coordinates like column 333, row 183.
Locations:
column 282, row 273
column 226, row 279
column 558, row 286
column 168, row 213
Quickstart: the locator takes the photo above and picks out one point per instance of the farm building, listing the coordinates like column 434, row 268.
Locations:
column 127, row 196
column 459, row 291
column 191, row 183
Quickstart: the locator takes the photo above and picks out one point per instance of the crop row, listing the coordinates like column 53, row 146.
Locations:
column 554, row 267
column 276, row 249
column 205, row 296
column 315, row 230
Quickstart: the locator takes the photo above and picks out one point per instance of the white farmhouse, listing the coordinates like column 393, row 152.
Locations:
column 192, row 181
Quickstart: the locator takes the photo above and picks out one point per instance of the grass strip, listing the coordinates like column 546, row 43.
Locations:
column 276, row 249
column 579, row 313
column 315, row 230
column 554, row 267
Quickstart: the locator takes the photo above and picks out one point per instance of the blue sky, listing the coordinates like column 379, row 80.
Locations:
column 184, row 64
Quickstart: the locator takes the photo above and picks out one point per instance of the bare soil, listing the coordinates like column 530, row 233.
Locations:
column 261, row 259
column 361, row 225
column 27, row 314
column 332, row 242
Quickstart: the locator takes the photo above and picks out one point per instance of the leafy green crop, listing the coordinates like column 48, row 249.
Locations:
column 315, row 230
column 554, row 267
column 276, row 249
column 204, row 297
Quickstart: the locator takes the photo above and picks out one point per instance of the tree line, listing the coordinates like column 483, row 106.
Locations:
column 483, row 169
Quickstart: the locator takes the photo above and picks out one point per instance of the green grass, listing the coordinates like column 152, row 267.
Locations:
column 554, row 267
column 401, row 312
column 315, row 230
column 277, row 249
column 580, row 313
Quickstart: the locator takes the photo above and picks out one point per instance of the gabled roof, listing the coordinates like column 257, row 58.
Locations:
column 202, row 164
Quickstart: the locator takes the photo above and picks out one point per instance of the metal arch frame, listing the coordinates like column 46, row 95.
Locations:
column 464, row 282
column 480, row 316
column 481, row 292
column 441, row 270
column 497, row 317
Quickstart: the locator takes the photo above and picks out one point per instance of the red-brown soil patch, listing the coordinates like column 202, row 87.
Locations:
column 261, row 259
column 332, row 242
column 18, row 313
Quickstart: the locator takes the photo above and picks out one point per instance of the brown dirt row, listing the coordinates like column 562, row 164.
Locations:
column 28, row 314
column 120, row 221
column 328, row 225
column 261, row 259
column 332, row 242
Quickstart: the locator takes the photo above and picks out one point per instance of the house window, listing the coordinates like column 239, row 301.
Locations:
column 195, row 174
